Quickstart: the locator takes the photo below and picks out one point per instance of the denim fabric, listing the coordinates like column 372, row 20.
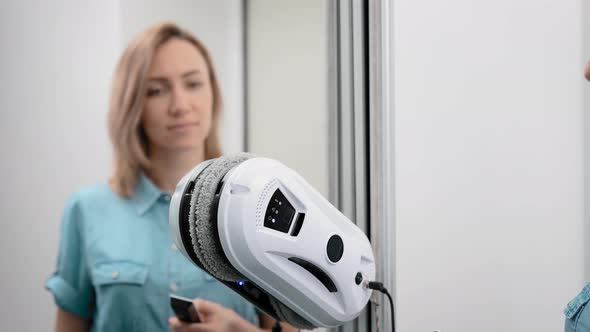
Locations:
column 577, row 313
column 117, row 263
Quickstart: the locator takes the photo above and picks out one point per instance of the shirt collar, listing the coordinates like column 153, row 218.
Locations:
column 146, row 195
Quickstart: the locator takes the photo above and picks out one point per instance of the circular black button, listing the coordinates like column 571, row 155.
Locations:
column 359, row 278
column 335, row 248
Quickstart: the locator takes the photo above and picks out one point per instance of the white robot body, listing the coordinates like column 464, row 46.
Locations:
column 286, row 238
column 262, row 254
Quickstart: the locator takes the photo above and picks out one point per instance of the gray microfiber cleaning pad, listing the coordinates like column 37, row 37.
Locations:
column 289, row 316
column 191, row 215
column 202, row 222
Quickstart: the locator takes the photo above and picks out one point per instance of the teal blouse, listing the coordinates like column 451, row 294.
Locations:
column 577, row 312
column 117, row 263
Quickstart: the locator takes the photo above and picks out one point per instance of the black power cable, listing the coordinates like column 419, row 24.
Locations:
column 379, row 286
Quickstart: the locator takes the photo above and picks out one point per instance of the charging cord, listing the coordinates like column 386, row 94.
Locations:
column 375, row 285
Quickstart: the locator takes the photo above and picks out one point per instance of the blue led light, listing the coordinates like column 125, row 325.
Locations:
column 241, row 283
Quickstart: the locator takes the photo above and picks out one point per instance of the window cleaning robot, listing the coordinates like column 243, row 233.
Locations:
column 258, row 227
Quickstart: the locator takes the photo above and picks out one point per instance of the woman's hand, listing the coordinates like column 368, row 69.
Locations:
column 214, row 318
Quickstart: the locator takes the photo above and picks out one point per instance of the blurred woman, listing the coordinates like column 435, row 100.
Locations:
column 117, row 263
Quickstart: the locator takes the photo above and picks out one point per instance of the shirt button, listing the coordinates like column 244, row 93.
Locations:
column 115, row 274
column 173, row 247
column 173, row 287
column 167, row 198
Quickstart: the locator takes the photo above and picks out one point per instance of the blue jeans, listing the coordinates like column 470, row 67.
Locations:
column 577, row 312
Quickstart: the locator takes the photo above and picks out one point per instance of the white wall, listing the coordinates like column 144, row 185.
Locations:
column 488, row 163
column 287, row 85
column 57, row 62
column 586, row 106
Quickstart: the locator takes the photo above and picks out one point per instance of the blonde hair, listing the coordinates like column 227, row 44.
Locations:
column 127, row 102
